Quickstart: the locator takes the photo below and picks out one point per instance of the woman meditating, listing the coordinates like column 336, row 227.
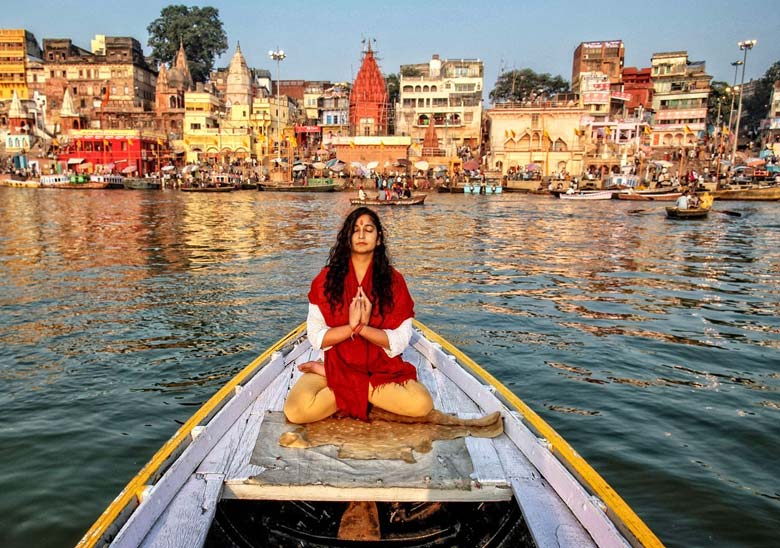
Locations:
column 360, row 314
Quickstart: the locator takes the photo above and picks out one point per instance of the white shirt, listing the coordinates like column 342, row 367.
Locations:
column 316, row 329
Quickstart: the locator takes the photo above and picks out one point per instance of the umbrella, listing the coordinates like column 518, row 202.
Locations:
column 755, row 162
column 471, row 164
column 280, row 160
column 663, row 163
column 532, row 167
column 332, row 162
column 338, row 167
column 372, row 165
column 356, row 164
column 422, row 164
column 128, row 169
column 299, row 167
column 168, row 168
column 440, row 168
column 403, row 162
column 388, row 163
column 318, row 165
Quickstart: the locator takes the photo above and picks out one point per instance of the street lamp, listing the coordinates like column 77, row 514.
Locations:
column 734, row 89
column 278, row 56
column 744, row 46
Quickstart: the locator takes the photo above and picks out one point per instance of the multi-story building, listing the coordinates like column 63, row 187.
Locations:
column 112, row 86
column 638, row 84
column 172, row 84
column 598, row 57
column 446, row 93
column 542, row 136
column 334, row 112
column 18, row 51
column 680, row 91
column 770, row 126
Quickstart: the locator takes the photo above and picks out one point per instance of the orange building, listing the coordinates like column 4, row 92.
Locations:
column 368, row 101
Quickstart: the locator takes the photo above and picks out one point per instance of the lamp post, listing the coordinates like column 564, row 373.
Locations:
column 744, row 46
column 278, row 56
column 734, row 89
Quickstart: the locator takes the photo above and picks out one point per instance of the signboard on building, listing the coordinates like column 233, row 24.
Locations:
column 307, row 129
column 675, row 114
column 621, row 96
column 599, row 45
column 595, row 97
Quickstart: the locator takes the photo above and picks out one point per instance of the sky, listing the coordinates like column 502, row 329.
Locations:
column 322, row 40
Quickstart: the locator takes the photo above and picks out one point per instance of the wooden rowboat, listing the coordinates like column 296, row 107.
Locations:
column 676, row 213
column 638, row 196
column 417, row 199
column 598, row 195
column 223, row 476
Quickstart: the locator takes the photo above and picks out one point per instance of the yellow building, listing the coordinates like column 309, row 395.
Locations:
column 18, row 49
column 547, row 135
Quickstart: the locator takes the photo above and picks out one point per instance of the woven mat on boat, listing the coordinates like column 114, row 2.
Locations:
column 344, row 452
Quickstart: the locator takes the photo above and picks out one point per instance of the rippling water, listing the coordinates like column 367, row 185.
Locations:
column 650, row 345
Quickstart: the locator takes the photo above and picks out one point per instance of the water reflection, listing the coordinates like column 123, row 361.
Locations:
column 124, row 310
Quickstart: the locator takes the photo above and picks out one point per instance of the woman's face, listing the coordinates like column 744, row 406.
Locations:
column 365, row 236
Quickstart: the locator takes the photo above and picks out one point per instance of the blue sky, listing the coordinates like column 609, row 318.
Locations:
column 323, row 39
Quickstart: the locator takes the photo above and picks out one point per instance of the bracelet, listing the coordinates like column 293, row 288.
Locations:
column 357, row 329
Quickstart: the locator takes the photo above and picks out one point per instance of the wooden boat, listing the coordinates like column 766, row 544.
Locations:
column 417, row 199
column 20, row 183
column 476, row 188
column 296, row 187
column 597, row 195
column 638, row 196
column 142, row 183
column 676, row 213
column 113, row 181
column 767, row 193
column 223, row 475
column 72, row 182
column 207, row 188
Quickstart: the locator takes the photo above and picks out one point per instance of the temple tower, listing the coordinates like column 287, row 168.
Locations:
column 368, row 100
column 238, row 90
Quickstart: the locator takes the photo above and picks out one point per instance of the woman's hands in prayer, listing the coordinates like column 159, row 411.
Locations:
column 359, row 309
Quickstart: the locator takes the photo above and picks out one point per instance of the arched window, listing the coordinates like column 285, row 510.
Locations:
column 434, row 89
column 426, row 89
column 172, row 101
column 417, row 89
column 408, row 89
column 422, row 120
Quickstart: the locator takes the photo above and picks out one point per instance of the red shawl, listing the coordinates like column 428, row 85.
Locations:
column 354, row 363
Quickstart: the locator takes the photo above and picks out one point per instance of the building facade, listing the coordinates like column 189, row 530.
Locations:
column 112, row 87
column 543, row 137
column 680, row 91
column 598, row 57
column 19, row 50
column 446, row 93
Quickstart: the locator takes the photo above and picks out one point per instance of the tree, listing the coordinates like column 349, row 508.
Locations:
column 393, row 87
column 525, row 84
column 199, row 29
column 718, row 96
column 756, row 106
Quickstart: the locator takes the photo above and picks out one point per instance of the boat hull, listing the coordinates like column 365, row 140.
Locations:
column 395, row 202
column 766, row 194
column 669, row 197
column 676, row 213
column 207, row 189
column 598, row 195
column 275, row 187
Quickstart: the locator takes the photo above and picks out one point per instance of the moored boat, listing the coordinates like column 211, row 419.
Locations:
column 77, row 182
column 20, row 183
column 206, row 188
column 596, row 195
column 677, row 213
column 297, row 187
column 111, row 180
column 142, row 183
column 758, row 194
column 638, row 196
column 417, row 199
column 236, row 472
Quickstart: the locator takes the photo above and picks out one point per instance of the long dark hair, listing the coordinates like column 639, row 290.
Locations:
column 338, row 264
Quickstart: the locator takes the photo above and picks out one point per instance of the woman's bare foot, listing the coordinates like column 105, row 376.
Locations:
column 318, row 368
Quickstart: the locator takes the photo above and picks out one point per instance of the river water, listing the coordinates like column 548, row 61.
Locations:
column 650, row 345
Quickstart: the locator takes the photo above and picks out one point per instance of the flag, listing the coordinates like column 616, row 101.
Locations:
column 577, row 132
column 513, row 133
column 105, row 143
column 293, row 142
column 648, row 131
column 381, row 144
column 506, row 133
column 129, row 142
column 106, row 96
column 160, row 141
column 546, row 134
column 726, row 130
column 351, row 144
column 687, row 130
column 607, row 131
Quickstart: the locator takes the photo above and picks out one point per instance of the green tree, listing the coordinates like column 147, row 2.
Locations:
column 524, row 84
column 756, row 107
column 199, row 29
column 393, row 87
column 719, row 99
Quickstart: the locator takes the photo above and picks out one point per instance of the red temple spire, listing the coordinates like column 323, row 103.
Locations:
column 368, row 100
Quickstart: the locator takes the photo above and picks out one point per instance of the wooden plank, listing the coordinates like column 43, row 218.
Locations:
column 424, row 373
column 586, row 508
column 551, row 523
column 250, row 491
column 186, row 521
column 164, row 491
column 487, row 466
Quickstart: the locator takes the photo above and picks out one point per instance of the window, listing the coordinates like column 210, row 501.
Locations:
column 194, row 126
